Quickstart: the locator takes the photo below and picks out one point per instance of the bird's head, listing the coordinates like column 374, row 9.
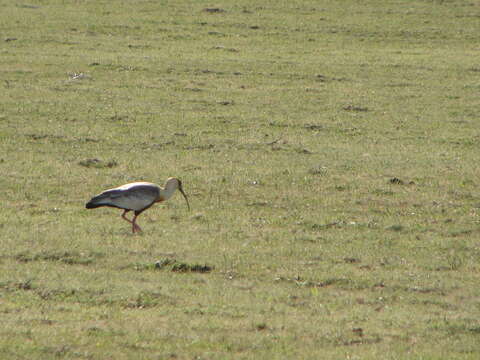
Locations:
column 177, row 184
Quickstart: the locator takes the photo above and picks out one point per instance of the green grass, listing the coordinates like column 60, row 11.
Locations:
column 329, row 149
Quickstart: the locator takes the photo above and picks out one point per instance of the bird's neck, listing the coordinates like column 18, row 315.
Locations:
column 167, row 192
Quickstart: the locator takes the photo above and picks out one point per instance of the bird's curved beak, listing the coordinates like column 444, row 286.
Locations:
column 185, row 196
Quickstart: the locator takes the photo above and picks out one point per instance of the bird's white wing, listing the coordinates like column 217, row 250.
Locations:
column 136, row 185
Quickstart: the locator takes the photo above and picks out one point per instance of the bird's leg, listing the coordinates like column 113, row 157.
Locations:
column 125, row 218
column 135, row 227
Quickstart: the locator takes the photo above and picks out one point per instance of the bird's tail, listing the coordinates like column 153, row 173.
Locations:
column 92, row 205
column 97, row 201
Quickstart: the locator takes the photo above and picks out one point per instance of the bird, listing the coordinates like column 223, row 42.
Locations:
column 136, row 197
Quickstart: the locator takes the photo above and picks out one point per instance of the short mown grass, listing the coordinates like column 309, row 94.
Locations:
column 329, row 149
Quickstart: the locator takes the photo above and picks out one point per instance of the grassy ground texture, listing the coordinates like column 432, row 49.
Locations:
column 330, row 150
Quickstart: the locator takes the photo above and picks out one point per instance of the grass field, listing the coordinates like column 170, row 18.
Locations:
column 330, row 150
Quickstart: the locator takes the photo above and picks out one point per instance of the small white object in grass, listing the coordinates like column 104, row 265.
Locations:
column 77, row 76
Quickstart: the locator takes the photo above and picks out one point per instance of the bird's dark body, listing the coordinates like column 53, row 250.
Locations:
column 133, row 197
column 91, row 205
column 136, row 212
